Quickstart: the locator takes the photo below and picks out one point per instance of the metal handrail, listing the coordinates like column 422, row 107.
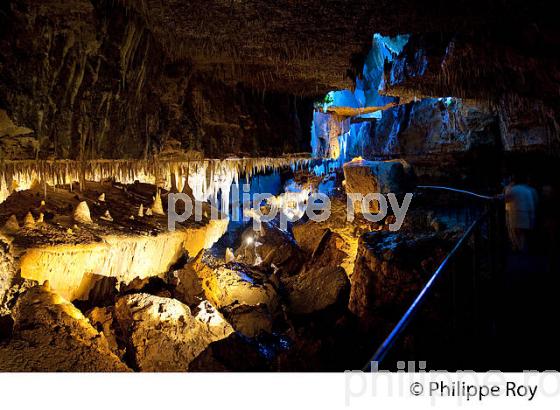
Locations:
column 460, row 191
column 388, row 343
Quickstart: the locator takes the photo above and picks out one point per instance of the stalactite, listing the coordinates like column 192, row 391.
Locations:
column 205, row 177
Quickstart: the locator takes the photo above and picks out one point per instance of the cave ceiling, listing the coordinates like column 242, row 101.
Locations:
column 309, row 47
column 131, row 78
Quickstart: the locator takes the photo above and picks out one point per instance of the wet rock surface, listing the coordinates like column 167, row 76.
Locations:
column 270, row 246
column 232, row 283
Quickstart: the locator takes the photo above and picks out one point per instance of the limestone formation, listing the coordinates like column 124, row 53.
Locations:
column 8, row 272
column 11, row 224
column 141, row 211
column 163, row 334
column 250, row 321
column 102, row 318
column 29, row 221
column 229, row 256
column 157, row 206
column 51, row 335
column 226, row 285
column 270, row 246
column 101, row 198
column 82, row 214
column 107, row 216
column 149, row 212
column 41, row 218
column 366, row 177
column 317, row 288
column 391, row 268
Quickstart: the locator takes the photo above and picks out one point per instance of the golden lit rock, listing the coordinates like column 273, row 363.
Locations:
column 82, row 214
column 107, row 216
column 164, row 334
column 157, row 206
column 229, row 257
column 29, row 221
column 68, row 266
column 52, row 335
column 11, row 224
column 141, row 211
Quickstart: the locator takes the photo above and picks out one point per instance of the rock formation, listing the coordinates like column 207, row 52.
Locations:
column 269, row 246
column 157, row 206
column 50, row 334
column 82, row 214
column 163, row 334
column 11, row 224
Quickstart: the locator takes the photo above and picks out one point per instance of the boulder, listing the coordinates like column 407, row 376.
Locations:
column 82, row 213
column 270, row 246
column 227, row 284
column 51, row 335
column 390, row 270
column 250, row 321
column 308, row 235
column 365, row 177
column 163, row 334
column 316, row 289
column 333, row 242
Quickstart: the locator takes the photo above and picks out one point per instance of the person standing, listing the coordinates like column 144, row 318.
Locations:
column 521, row 213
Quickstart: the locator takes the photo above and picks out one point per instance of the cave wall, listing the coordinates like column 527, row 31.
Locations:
column 515, row 73
column 87, row 79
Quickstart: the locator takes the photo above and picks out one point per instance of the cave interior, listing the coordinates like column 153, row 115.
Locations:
column 115, row 114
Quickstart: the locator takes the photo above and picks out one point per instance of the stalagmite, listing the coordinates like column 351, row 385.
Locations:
column 157, row 206
column 41, row 218
column 101, row 198
column 141, row 211
column 107, row 216
column 82, row 214
column 230, row 257
column 11, row 224
column 29, row 221
column 149, row 212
